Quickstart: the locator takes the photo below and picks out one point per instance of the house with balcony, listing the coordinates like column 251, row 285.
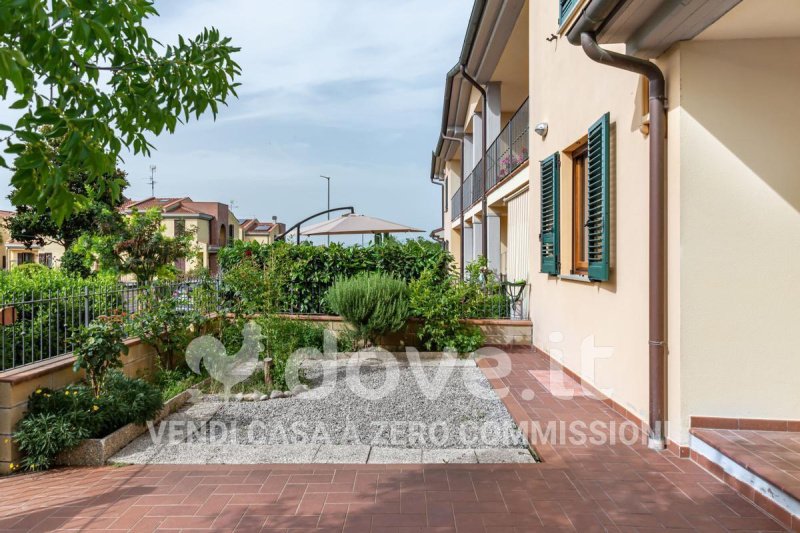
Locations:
column 481, row 157
column 661, row 220
column 213, row 225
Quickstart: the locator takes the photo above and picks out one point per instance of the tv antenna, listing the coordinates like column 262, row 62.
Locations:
column 152, row 180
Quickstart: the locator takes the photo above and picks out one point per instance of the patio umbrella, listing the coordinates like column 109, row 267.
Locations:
column 352, row 224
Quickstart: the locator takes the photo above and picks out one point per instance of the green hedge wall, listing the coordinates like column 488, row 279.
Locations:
column 301, row 274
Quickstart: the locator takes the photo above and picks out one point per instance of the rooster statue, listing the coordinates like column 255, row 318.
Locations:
column 228, row 370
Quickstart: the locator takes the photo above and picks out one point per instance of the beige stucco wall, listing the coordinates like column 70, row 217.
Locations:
column 596, row 329
column 740, row 228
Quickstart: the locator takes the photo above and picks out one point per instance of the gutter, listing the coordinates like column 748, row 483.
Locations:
column 460, row 141
column 484, row 150
column 466, row 50
column 584, row 32
column 438, row 180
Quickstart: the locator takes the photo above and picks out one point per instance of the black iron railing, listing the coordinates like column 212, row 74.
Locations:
column 505, row 155
column 510, row 150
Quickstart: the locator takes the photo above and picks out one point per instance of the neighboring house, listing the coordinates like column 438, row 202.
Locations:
column 251, row 229
column 701, row 322
column 13, row 253
column 212, row 223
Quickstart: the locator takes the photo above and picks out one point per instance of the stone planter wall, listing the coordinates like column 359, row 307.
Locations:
column 96, row 452
column 17, row 384
column 498, row 332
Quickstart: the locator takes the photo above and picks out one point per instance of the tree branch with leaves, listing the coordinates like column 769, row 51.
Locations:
column 87, row 72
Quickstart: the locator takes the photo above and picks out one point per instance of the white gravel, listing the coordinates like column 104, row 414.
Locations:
column 431, row 407
column 427, row 412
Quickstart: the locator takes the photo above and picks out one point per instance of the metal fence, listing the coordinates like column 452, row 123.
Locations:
column 38, row 325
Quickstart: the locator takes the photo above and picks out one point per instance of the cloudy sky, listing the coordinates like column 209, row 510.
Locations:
column 347, row 88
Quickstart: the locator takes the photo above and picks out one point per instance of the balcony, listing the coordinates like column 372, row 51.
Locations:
column 505, row 155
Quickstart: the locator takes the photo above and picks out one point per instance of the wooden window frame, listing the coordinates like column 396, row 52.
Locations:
column 580, row 193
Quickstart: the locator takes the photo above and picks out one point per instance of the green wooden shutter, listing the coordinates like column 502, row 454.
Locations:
column 598, row 216
column 564, row 9
column 549, row 238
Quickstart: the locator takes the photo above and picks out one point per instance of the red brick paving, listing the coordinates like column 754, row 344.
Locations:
column 580, row 487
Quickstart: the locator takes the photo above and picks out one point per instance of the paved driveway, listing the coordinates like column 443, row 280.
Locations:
column 581, row 486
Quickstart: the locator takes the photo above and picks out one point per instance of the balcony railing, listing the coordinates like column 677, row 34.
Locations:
column 505, row 155
column 510, row 149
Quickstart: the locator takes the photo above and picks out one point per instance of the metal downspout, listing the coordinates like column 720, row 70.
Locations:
column 461, row 200
column 438, row 180
column 657, row 231
column 485, row 150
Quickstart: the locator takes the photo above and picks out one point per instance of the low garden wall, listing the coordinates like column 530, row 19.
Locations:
column 17, row 384
column 497, row 332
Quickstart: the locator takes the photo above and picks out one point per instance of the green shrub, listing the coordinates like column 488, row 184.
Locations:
column 246, row 288
column 175, row 381
column 58, row 420
column 441, row 304
column 373, row 303
column 283, row 336
column 167, row 324
column 76, row 263
column 42, row 436
column 97, row 349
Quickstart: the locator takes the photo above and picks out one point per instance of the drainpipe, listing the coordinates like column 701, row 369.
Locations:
column 658, row 274
column 484, row 149
column 461, row 201
column 438, row 180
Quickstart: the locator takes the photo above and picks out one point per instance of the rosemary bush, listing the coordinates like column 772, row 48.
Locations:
column 373, row 303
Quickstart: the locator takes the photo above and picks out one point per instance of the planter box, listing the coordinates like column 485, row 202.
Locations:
column 96, row 452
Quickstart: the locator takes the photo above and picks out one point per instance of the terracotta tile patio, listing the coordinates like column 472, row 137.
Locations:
column 581, row 486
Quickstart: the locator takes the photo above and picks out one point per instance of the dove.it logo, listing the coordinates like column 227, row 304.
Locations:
column 227, row 369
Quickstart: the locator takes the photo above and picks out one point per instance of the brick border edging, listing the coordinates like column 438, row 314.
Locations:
column 751, row 424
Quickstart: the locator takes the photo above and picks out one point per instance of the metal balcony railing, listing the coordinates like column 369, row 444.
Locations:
column 510, row 150
column 455, row 204
column 505, row 155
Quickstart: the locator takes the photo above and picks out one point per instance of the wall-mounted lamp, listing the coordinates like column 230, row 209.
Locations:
column 541, row 129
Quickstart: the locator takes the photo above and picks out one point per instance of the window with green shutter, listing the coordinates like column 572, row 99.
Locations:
column 549, row 238
column 565, row 7
column 597, row 222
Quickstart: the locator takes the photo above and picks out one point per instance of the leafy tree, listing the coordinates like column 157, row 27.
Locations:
column 97, row 214
column 140, row 247
column 88, row 72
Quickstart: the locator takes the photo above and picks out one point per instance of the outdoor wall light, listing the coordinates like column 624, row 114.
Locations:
column 541, row 129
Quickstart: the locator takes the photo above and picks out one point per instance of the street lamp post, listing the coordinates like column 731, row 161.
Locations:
column 328, row 178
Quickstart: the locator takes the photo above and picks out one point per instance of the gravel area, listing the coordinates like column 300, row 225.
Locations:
column 433, row 411
column 431, row 406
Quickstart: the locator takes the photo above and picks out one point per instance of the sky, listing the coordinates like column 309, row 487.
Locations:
column 350, row 89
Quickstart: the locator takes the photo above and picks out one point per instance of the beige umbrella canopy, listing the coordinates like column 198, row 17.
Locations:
column 351, row 224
